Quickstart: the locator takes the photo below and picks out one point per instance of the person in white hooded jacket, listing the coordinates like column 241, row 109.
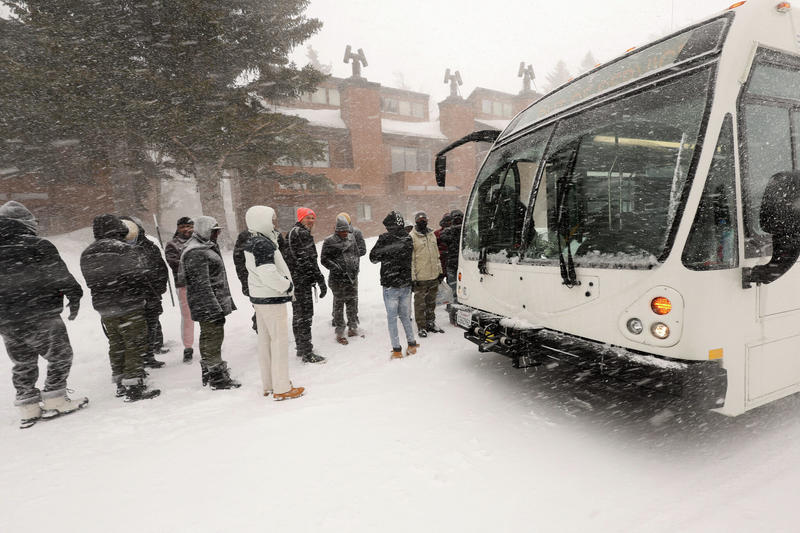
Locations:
column 270, row 287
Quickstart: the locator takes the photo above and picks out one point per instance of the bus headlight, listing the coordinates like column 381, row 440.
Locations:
column 660, row 330
column 635, row 326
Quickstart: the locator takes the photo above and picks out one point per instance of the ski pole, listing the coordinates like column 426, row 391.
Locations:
column 160, row 244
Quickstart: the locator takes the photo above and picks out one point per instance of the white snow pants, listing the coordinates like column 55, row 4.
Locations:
column 273, row 346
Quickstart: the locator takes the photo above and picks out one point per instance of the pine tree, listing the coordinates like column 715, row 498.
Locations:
column 111, row 79
column 588, row 62
column 559, row 75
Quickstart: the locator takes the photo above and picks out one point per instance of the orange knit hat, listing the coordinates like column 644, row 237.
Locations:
column 303, row 212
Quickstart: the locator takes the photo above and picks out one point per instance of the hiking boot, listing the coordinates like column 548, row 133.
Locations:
column 139, row 391
column 120, row 390
column 313, row 358
column 294, row 392
column 423, row 333
column 29, row 414
column 352, row 333
column 187, row 355
column 342, row 340
column 397, row 353
column 219, row 378
column 150, row 361
column 412, row 349
column 433, row 328
column 57, row 403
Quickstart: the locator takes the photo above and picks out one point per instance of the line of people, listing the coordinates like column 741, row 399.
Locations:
column 127, row 277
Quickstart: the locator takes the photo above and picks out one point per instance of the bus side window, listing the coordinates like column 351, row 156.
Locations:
column 712, row 243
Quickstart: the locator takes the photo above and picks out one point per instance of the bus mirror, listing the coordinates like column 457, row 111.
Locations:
column 780, row 216
column 440, row 166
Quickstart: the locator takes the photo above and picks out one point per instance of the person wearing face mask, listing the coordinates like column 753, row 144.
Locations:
column 426, row 273
column 33, row 283
column 209, row 297
column 172, row 252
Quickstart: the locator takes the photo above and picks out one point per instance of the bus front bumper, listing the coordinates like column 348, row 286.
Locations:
column 702, row 383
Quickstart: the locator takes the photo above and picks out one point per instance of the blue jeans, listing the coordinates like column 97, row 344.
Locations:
column 398, row 305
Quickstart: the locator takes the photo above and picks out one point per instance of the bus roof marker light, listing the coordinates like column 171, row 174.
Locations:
column 661, row 305
column 737, row 4
column 783, row 7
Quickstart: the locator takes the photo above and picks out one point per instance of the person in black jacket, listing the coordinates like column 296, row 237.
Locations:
column 172, row 253
column 451, row 238
column 157, row 277
column 301, row 257
column 33, row 283
column 114, row 272
column 209, row 298
column 341, row 254
column 393, row 251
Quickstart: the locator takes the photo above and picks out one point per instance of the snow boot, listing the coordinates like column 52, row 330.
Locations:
column 57, row 403
column 150, row 361
column 29, row 414
column 120, row 390
column 423, row 333
column 204, row 373
column 342, row 340
column 219, row 377
column 352, row 333
column 187, row 355
column 412, row 349
column 294, row 392
column 313, row 358
column 139, row 391
column 397, row 353
column 433, row 328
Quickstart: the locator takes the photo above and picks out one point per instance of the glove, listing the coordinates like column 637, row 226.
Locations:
column 441, row 277
column 73, row 311
column 323, row 289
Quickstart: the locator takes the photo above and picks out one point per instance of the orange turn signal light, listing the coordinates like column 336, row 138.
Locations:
column 661, row 305
column 459, row 276
column 783, row 7
column 737, row 4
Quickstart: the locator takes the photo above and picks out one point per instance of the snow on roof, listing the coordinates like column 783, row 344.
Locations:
column 326, row 118
column 431, row 130
column 496, row 124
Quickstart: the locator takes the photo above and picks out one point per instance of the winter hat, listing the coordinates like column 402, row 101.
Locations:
column 108, row 227
column 419, row 215
column 17, row 211
column 342, row 224
column 303, row 212
column 394, row 220
column 185, row 221
column 345, row 215
column 446, row 220
column 457, row 215
column 204, row 226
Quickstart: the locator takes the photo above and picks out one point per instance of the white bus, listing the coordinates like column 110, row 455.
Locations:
column 642, row 219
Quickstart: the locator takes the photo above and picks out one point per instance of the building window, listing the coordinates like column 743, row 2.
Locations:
column 364, row 212
column 486, row 106
column 417, row 109
column 325, row 162
column 322, row 95
column 390, row 105
column 333, row 97
column 349, row 186
column 402, row 107
column 405, row 159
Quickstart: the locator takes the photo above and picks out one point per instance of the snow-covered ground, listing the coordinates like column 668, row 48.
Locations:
column 446, row 440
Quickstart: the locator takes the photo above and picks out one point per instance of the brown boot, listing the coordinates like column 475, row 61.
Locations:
column 342, row 340
column 294, row 392
column 412, row 349
column 397, row 354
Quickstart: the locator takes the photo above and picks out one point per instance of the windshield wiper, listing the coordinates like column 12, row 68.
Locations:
column 568, row 275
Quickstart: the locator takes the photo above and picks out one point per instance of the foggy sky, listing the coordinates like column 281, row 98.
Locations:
column 486, row 41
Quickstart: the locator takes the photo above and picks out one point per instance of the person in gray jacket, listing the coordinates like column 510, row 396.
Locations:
column 270, row 288
column 209, row 297
column 341, row 255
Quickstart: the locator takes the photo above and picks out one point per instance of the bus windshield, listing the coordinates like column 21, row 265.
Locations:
column 607, row 189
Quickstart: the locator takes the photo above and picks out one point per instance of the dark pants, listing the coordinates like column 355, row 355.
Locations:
column 425, row 302
column 25, row 341
column 155, row 337
column 452, row 272
column 211, row 336
column 302, row 314
column 127, row 346
column 344, row 295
